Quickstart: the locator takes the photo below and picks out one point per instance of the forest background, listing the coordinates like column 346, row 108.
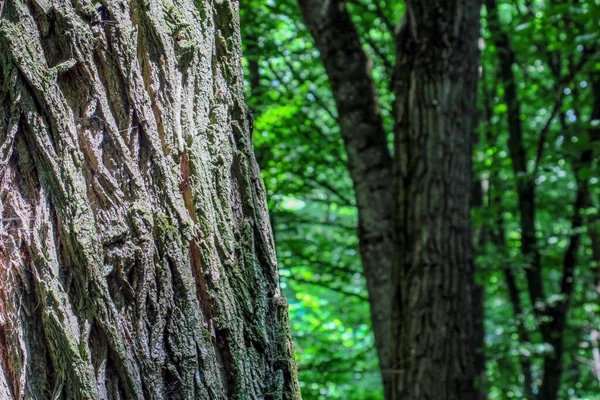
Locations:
column 538, row 112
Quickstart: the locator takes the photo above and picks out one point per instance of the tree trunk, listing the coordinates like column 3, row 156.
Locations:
column 424, row 338
column 136, row 254
column 435, row 86
column 369, row 159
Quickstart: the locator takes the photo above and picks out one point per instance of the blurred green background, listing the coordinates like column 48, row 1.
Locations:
column 311, row 199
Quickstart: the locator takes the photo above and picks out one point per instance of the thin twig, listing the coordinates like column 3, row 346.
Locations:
column 326, row 286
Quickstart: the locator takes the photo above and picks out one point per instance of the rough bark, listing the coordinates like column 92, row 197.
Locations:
column 137, row 260
column 369, row 159
column 435, row 86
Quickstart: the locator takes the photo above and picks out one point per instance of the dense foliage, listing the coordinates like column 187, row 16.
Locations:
column 540, row 76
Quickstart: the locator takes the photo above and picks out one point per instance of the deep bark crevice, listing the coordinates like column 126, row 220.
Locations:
column 132, row 215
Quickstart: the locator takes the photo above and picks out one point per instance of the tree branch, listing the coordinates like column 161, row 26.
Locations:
column 386, row 63
column 378, row 12
column 525, row 183
column 559, row 97
column 326, row 285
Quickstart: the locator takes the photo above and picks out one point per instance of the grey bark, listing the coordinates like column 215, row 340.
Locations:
column 136, row 255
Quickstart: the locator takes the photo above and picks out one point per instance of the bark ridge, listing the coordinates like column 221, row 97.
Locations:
column 136, row 257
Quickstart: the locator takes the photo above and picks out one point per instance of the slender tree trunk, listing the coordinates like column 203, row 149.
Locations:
column 435, row 86
column 136, row 256
column 369, row 159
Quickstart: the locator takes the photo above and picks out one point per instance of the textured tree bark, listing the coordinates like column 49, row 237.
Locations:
column 136, row 257
column 435, row 86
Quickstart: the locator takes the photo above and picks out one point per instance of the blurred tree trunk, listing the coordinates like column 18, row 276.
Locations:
column 136, row 257
column 436, row 85
column 414, row 221
column 369, row 159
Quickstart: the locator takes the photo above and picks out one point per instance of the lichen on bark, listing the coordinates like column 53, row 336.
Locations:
column 136, row 256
